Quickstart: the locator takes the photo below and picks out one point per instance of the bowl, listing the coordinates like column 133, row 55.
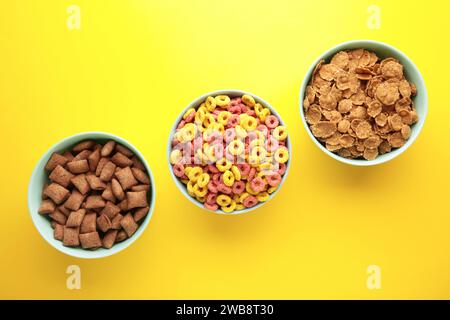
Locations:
column 39, row 178
column 194, row 104
column 411, row 73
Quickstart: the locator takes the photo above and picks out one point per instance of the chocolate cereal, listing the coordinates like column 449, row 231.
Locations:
column 97, row 194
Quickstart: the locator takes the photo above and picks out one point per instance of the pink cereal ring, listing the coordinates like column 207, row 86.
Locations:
column 212, row 168
column 212, row 207
column 178, row 170
column 230, row 134
column 212, row 186
column 211, row 198
column 258, row 184
column 224, row 189
column 251, row 112
column 244, row 108
column 238, row 187
column 281, row 168
column 181, row 124
column 244, row 168
column 250, row 201
column 233, row 121
column 175, row 142
column 235, row 101
column 262, row 128
column 190, row 117
column 235, row 110
column 272, row 144
column 217, row 178
column 251, row 174
column 274, row 179
column 271, row 122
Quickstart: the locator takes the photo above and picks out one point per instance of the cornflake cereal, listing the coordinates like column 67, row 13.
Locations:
column 358, row 106
column 230, row 152
column 97, row 195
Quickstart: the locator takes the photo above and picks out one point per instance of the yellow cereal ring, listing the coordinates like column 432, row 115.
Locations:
column 239, row 206
column 243, row 196
column 272, row 189
column 258, row 152
column 175, row 156
column 223, row 117
column 188, row 112
column 194, row 173
column 263, row 114
column 261, row 173
column 229, row 208
column 249, row 123
column 228, row 178
column 281, row 155
column 264, row 166
column 256, row 142
column 203, row 180
column 249, row 189
column 223, row 200
column 217, row 128
column 236, row 198
column 189, row 131
column 222, row 100
column 185, row 181
column 211, row 154
column 236, row 147
column 280, row 133
column 254, row 161
column 262, row 196
column 201, row 199
column 190, row 188
column 199, row 117
column 258, row 108
column 248, row 100
column 236, row 172
column 223, row 164
column 186, row 135
column 240, row 132
column 210, row 104
column 187, row 170
column 200, row 191
column 209, row 120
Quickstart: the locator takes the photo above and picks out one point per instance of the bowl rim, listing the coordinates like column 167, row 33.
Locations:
column 396, row 54
column 78, row 252
column 196, row 102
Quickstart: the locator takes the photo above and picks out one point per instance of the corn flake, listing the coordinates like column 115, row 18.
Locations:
column 359, row 106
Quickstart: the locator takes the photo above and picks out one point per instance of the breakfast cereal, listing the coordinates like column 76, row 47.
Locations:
column 97, row 194
column 227, row 147
column 360, row 106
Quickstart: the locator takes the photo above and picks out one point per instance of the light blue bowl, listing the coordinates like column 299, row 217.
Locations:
column 194, row 104
column 412, row 74
column 40, row 177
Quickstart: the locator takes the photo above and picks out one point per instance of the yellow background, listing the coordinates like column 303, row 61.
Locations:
column 131, row 69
